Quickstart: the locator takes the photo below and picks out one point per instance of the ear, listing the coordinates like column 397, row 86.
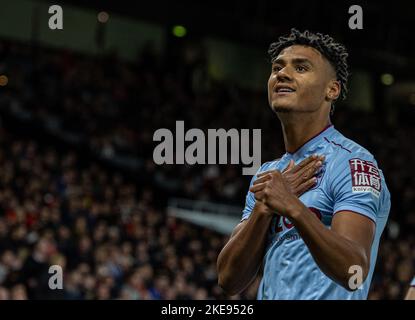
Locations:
column 333, row 90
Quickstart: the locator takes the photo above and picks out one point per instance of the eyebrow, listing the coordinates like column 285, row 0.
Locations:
column 294, row 61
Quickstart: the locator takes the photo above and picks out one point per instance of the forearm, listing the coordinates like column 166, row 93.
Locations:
column 333, row 253
column 240, row 259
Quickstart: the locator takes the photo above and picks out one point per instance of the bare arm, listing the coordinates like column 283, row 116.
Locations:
column 240, row 259
column 335, row 250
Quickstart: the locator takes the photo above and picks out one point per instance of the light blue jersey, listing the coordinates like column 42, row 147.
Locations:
column 349, row 180
column 413, row 282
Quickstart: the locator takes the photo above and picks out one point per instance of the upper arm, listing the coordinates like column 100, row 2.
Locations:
column 355, row 185
column 356, row 228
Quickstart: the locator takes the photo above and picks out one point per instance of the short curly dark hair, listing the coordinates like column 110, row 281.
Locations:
column 334, row 52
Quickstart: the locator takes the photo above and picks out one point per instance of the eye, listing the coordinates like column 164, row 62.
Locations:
column 300, row 68
column 276, row 68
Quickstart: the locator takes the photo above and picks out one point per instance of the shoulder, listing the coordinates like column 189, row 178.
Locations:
column 347, row 159
column 344, row 148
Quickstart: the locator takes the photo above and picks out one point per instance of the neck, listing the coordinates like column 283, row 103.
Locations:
column 299, row 128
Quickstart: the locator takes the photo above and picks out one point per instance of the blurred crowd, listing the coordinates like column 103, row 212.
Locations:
column 93, row 201
column 108, row 237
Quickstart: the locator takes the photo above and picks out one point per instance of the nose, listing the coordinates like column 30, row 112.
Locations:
column 283, row 75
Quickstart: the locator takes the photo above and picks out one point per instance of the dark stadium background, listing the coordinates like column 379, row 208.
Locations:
column 79, row 106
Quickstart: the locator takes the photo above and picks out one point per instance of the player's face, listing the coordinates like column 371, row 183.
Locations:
column 299, row 80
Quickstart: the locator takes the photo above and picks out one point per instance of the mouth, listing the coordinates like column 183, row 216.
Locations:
column 283, row 90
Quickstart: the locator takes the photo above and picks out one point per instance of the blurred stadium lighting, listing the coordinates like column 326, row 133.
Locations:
column 4, row 80
column 387, row 79
column 103, row 17
column 179, row 31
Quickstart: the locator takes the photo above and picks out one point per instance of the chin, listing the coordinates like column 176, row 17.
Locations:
column 282, row 109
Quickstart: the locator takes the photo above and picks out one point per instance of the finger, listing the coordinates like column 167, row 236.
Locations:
column 262, row 179
column 305, row 162
column 309, row 170
column 257, row 187
column 289, row 166
column 260, row 196
column 265, row 172
column 305, row 186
